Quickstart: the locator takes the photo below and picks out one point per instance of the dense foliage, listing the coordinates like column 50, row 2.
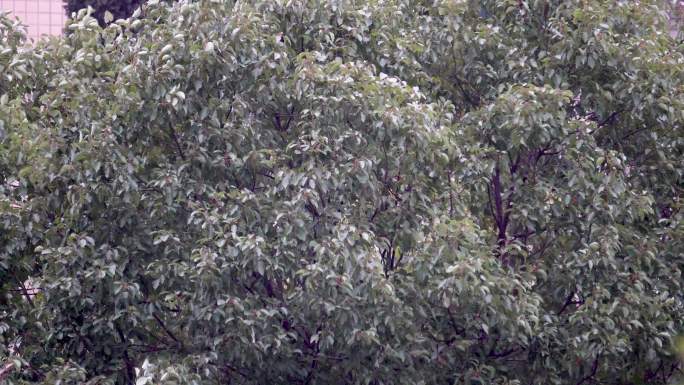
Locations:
column 358, row 192
column 118, row 9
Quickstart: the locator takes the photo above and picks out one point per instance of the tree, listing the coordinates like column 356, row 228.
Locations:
column 119, row 9
column 345, row 192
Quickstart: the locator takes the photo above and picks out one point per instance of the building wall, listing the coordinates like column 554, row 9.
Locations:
column 42, row 17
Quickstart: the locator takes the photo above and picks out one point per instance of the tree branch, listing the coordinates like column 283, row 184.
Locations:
column 6, row 369
column 568, row 302
column 166, row 330
column 609, row 119
column 504, row 353
column 500, row 217
column 594, row 368
column 172, row 131
column 24, row 290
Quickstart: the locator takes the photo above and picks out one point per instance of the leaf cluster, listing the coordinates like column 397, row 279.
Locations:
column 361, row 192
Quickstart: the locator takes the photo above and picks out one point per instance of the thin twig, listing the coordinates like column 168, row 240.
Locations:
column 166, row 330
column 172, row 131
column 594, row 368
column 24, row 290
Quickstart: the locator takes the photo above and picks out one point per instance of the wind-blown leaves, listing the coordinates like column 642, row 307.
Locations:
column 344, row 192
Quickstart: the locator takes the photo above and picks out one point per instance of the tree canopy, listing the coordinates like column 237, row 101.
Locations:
column 118, row 9
column 344, row 192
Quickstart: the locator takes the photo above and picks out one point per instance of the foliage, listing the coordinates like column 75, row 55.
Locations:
column 378, row 192
column 119, row 9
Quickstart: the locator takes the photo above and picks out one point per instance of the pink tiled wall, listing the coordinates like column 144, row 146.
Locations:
column 43, row 17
